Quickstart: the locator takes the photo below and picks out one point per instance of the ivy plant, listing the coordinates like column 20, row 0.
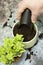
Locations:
column 12, row 48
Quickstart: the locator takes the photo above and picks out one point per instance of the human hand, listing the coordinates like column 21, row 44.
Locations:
column 36, row 7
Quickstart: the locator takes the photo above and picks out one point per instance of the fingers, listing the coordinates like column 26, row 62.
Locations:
column 34, row 18
column 21, row 8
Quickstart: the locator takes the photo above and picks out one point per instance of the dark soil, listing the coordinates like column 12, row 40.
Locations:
column 14, row 21
column 28, row 56
column 29, row 49
column 31, row 53
column 10, row 15
column 5, row 24
column 30, row 61
column 41, row 36
column 27, row 33
column 9, row 26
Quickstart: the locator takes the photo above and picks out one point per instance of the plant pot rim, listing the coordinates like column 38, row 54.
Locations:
column 33, row 40
column 17, row 21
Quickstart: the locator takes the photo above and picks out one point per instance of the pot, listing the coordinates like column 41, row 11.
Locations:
column 31, row 43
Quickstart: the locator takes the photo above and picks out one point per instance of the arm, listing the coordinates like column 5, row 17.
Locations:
column 36, row 7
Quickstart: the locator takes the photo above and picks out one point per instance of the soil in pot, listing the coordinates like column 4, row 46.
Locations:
column 41, row 36
column 27, row 33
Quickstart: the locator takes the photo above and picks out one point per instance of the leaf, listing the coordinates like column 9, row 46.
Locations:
column 2, row 50
column 12, row 48
column 18, row 38
column 10, row 56
column 3, row 59
column 8, row 42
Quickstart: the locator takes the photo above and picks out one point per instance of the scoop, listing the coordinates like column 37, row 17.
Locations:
column 26, row 19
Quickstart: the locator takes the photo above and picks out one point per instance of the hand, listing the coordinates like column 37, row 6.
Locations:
column 36, row 7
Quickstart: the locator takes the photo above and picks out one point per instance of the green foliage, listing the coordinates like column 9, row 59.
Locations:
column 12, row 48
